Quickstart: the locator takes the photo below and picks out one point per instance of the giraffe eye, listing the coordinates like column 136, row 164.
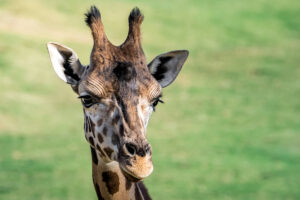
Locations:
column 87, row 100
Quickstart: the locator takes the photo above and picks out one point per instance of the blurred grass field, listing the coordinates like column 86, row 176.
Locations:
column 230, row 128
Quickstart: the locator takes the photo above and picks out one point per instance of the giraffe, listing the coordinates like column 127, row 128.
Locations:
column 118, row 91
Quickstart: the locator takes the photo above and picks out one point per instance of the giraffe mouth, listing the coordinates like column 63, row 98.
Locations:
column 130, row 176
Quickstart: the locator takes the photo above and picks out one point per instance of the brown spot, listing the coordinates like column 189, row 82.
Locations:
column 108, row 151
column 87, row 124
column 115, row 140
column 92, row 127
column 99, row 122
column 91, row 139
column 128, row 184
column 100, row 150
column 137, row 194
column 144, row 190
column 116, row 119
column 111, row 108
column 100, row 138
column 105, row 130
column 121, row 129
column 112, row 181
column 124, row 71
column 94, row 156
column 98, row 191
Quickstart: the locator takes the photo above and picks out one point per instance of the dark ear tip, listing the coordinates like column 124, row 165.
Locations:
column 186, row 52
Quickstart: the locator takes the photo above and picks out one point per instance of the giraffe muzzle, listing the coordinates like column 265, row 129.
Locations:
column 136, row 162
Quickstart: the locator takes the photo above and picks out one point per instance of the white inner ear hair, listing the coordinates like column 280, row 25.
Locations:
column 154, row 65
column 57, row 61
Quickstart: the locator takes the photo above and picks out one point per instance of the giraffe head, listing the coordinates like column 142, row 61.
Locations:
column 118, row 91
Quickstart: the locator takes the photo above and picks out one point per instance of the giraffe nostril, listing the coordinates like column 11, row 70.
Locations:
column 131, row 148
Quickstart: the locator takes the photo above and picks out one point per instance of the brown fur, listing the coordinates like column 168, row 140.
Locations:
column 100, row 138
column 99, row 123
column 100, row 150
column 99, row 195
column 119, row 73
column 119, row 91
column 112, row 181
column 115, row 139
column 108, row 151
column 128, row 184
column 111, row 184
column 104, row 131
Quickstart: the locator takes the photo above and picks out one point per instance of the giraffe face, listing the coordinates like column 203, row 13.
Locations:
column 118, row 91
column 118, row 100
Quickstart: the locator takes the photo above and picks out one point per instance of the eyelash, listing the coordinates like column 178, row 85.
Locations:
column 158, row 100
column 87, row 100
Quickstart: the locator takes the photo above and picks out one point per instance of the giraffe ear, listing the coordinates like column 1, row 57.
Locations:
column 65, row 63
column 166, row 67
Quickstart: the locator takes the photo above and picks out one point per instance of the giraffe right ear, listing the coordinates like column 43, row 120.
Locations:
column 165, row 67
column 65, row 63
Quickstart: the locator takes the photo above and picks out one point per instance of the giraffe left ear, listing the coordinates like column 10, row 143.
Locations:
column 166, row 67
column 65, row 63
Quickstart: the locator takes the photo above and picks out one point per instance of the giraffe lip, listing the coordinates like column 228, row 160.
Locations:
column 129, row 175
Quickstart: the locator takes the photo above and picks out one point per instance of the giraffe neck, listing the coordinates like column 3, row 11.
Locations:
column 111, row 184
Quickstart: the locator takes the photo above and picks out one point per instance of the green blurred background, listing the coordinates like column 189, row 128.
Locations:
column 231, row 122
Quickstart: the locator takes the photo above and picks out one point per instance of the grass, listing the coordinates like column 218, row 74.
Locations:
column 230, row 126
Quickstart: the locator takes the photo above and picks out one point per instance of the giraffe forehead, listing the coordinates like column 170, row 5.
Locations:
column 108, row 58
column 124, row 80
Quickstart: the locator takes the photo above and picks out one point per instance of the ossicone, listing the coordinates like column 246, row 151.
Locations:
column 93, row 20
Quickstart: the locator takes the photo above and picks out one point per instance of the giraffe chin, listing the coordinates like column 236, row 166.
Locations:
column 129, row 175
